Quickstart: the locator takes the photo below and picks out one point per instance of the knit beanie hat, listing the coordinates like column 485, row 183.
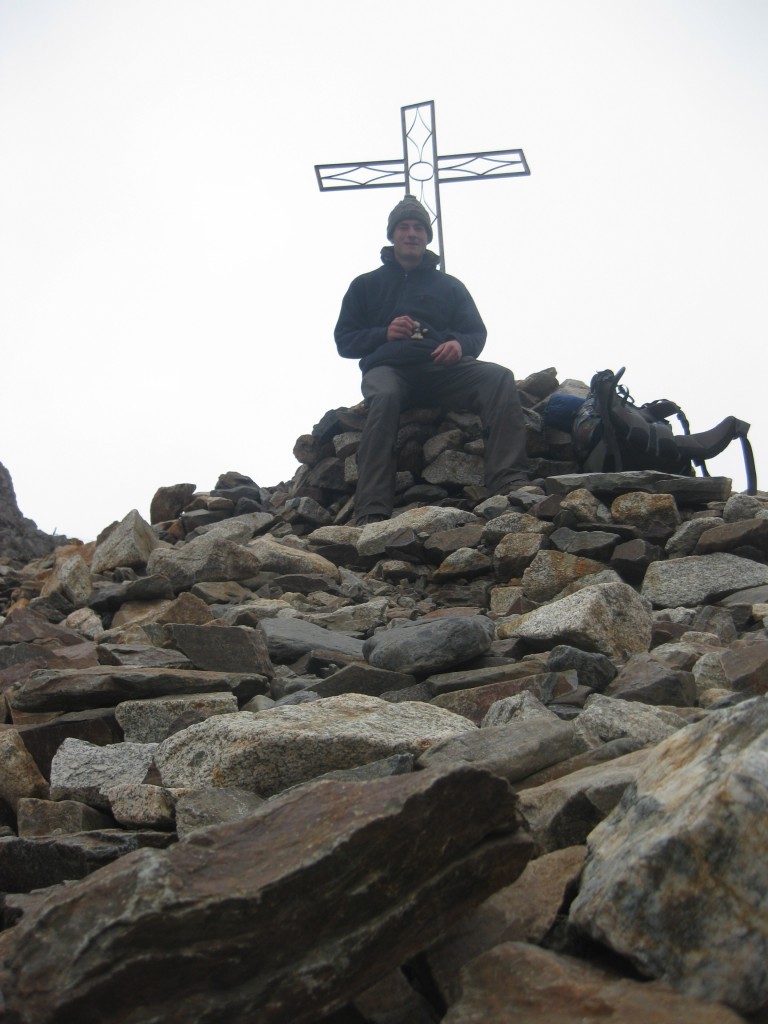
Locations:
column 409, row 209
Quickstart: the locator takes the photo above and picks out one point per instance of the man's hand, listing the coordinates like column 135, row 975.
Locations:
column 401, row 328
column 447, row 353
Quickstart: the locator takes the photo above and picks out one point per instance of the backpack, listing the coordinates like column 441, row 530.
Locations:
column 612, row 434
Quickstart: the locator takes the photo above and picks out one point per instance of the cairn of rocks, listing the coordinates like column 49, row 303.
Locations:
column 501, row 757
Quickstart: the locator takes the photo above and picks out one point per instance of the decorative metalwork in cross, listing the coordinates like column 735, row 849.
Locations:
column 421, row 167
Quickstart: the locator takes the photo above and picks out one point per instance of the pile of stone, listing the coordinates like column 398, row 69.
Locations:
column 497, row 758
column 439, row 454
column 20, row 539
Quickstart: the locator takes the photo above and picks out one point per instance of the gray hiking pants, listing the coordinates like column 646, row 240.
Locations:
column 485, row 388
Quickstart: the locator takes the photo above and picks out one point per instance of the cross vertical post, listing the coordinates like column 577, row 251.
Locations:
column 421, row 170
column 420, row 163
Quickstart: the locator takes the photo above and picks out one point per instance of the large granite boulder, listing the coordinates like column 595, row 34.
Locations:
column 271, row 750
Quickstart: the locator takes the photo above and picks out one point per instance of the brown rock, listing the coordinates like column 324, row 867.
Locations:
column 475, row 703
column 25, row 626
column 169, row 502
column 35, row 862
column 646, row 511
column 746, row 666
column 550, row 572
column 43, row 739
column 186, row 609
column 362, row 678
column 752, row 533
column 563, row 812
column 59, row 817
column 525, row 985
column 645, row 679
column 222, row 648
column 19, row 775
column 633, row 557
column 515, row 552
column 522, row 912
column 79, row 689
column 444, row 542
column 295, row 928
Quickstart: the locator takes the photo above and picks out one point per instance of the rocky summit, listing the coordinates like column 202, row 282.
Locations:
column 501, row 757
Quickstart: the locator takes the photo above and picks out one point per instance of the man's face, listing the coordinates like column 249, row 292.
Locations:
column 410, row 241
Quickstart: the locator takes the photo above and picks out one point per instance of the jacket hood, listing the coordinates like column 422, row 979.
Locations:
column 430, row 261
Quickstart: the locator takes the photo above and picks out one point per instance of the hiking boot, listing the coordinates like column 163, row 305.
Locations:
column 375, row 517
column 526, row 485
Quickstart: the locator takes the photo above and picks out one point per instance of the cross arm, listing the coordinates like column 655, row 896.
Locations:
column 496, row 163
column 374, row 174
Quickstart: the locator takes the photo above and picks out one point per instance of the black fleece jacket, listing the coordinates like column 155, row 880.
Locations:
column 440, row 303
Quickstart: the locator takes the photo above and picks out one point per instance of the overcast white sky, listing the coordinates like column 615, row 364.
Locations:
column 170, row 273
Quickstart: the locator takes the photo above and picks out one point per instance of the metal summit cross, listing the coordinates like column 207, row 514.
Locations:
column 421, row 167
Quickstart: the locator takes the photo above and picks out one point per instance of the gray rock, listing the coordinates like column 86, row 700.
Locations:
column 685, row 538
column 563, row 812
column 689, row 490
column 71, row 578
column 239, row 530
column 456, row 468
column 585, row 506
column 362, row 678
column 204, row 560
column 354, row 618
column 514, row 522
column 512, row 751
column 742, row 506
column 396, row 764
column 275, row 749
column 708, row 673
column 374, row 539
column 420, row 648
column 130, row 543
column 521, row 707
column 593, row 670
column 610, row 619
column 609, row 718
column 310, row 511
column 152, row 721
column 282, row 558
column 595, row 544
column 698, row 579
column 289, row 639
column 138, row 806
column 551, row 571
column 201, row 808
column 82, row 771
column 141, row 655
column 667, row 885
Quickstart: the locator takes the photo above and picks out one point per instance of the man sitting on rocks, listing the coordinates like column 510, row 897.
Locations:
column 417, row 334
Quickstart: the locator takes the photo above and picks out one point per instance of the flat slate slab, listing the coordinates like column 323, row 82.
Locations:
column 103, row 687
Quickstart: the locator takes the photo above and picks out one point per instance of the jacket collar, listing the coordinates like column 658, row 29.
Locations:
column 429, row 262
